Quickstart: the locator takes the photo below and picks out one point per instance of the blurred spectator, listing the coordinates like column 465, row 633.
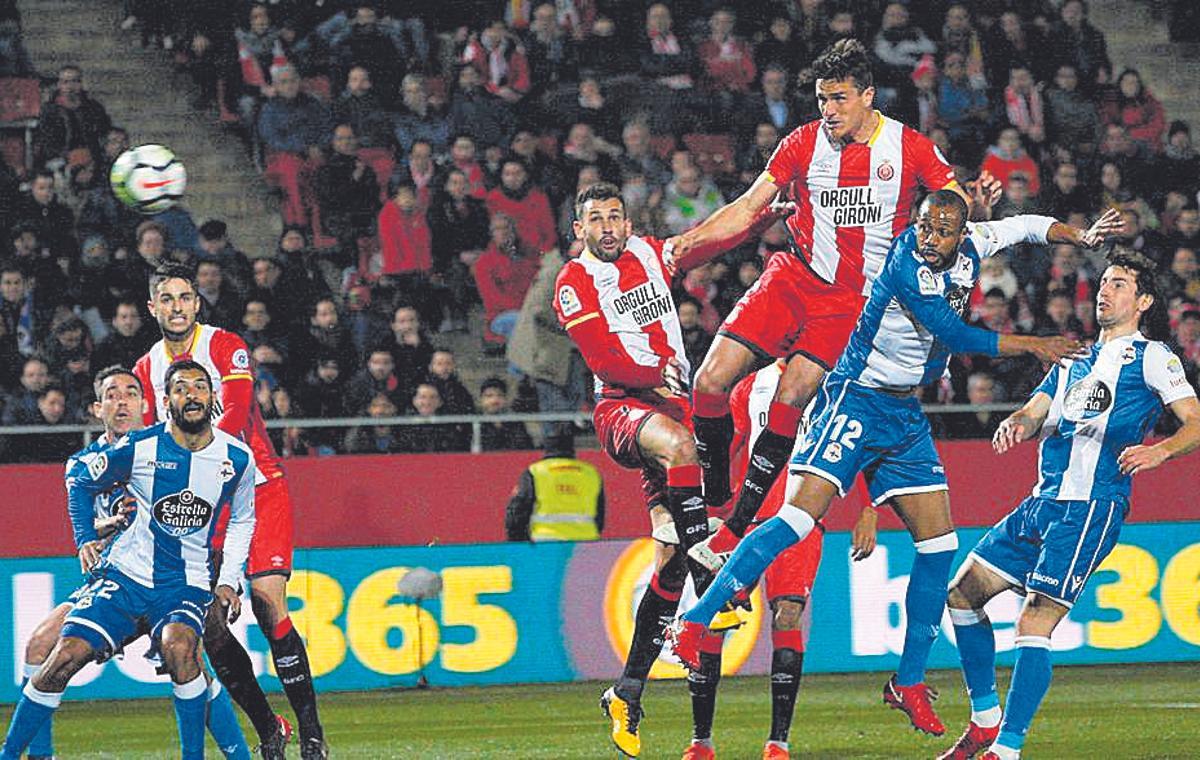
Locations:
column 774, row 105
column 689, row 199
column 259, row 52
column 981, row 389
column 500, row 436
column 418, row 118
column 442, row 373
column 1136, row 109
column 1187, row 334
column 361, row 108
column 583, row 148
column 664, row 57
column 503, row 274
column 406, row 248
column 1140, row 237
column 378, row 376
column 365, row 42
column 292, row 126
column 321, row 395
column 474, row 112
column 1015, row 43
column 639, row 157
column 418, row 170
column 542, row 169
column 216, row 246
column 1075, row 41
column 50, row 410
column 728, row 65
column 1016, row 198
column 1064, row 194
column 527, row 207
column 22, row 402
column 42, row 274
column 753, row 159
column 52, row 220
column 410, row 346
column 500, row 60
column 549, row 51
column 1058, row 316
column 323, row 336
column 89, row 286
column 460, row 231
column 899, row 46
column 69, row 119
column 347, row 191
column 1182, row 280
column 540, row 349
column 1007, row 157
column 129, row 339
column 14, row 58
column 1023, row 105
column 288, row 441
column 1071, row 116
column 595, row 56
column 962, row 107
column 781, row 48
column 426, row 403
column 696, row 339
column 558, row 498
column 282, row 287
column 1067, row 273
column 959, row 35
column 375, row 439
column 222, row 305
column 1187, row 227
column 265, row 339
column 1178, row 169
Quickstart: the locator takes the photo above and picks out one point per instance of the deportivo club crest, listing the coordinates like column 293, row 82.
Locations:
column 180, row 514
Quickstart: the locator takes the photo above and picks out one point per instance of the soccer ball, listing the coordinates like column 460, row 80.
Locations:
column 148, row 178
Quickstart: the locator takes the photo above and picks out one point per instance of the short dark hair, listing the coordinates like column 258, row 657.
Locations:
column 213, row 229
column 113, row 371
column 493, row 382
column 943, row 198
column 172, row 271
column 601, row 191
column 50, row 387
column 845, row 59
column 1143, row 268
column 180, row 366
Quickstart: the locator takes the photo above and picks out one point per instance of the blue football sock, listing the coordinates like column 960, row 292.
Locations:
column 190, row 709
column 34, row 709
column 748, row 561
column 924, row 603
column 977, row 651
column 1030, row 682
column 42, row 744
column 223, row 724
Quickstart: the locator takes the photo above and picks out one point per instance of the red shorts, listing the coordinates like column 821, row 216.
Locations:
column 618, row 422
column 271, row 547
column 792, row 574
column 790, row 310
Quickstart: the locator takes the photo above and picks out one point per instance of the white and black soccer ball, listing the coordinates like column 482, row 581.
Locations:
column 148, row 178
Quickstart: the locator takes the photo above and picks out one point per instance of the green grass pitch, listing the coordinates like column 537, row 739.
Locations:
column 1109, row 712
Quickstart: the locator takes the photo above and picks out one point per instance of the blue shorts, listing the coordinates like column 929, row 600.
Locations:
column 114, row 609
column 887, row 438
column 1052, row 547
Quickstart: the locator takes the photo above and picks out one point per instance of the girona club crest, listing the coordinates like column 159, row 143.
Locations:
column 885, row 171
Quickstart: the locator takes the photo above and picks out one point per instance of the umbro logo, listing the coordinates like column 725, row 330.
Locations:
column 288, row 661
column 692, row 504
column 762, row 463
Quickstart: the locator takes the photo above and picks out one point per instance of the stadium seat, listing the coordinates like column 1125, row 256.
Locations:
column 20, row 104
column 713, row 152
column 382, row 161
column 320, row 241
column 318, row 86
column 663, row 146
column 225, row 116
column 290, row 174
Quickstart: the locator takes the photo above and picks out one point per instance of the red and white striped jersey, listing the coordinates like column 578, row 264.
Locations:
column 853, row 200
column 621, row 316
column 226, row 358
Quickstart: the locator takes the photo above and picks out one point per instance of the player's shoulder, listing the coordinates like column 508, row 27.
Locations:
column 636, row 241
column 133, row 436
column 234, row 445
column 221, row 339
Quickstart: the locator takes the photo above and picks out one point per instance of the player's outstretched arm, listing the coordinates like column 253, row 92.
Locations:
column 1022, row 424
column 1052, row 349
column 1186, row 439
column 1109, row 223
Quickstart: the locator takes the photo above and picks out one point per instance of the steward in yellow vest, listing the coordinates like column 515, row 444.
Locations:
column 558, row 498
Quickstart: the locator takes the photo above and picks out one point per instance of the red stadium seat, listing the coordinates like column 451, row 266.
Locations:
column 663, row 146
column 20, row 100
column 713, row 153
column 318, row 86
column 382, row 161
column 320, row 240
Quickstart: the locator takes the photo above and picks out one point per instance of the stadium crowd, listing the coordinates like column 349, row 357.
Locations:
column 426, row 156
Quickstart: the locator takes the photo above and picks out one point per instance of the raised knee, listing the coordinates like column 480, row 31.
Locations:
column 788, row 613
column 711, row 379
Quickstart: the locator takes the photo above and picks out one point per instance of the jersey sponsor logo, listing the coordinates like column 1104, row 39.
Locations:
column 182, row 513
column 1046, row 579
column 645, row 304
column 164, row 465
column 851, row 206
column 1088, row 398
column 927, row 282
column 1174, row 365
column 97, row 466
column 568, row 301
column 885, row 171
column 240, row 359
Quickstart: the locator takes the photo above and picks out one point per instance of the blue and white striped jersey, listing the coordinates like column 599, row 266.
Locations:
column 105, row 503
column 180, row 495
column 913, row 322
column 1098, row 406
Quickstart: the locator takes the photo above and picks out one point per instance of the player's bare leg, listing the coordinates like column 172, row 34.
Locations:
column 232, row 664
column 799, row 383
column 927, row 517
column 726, row 362
column 37, row 649
column 971, row 589
column 787, row 665
column 268, row 597
column 622, row 702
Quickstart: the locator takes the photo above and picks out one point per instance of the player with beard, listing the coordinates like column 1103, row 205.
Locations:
column 119, row 408
column 175, row 302
column 183, row 475
column 615, row 303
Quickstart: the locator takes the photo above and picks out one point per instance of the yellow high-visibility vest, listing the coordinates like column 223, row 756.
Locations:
column 566, row 493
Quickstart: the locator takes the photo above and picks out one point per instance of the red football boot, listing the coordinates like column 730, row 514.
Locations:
column 973, row 741
column 916, row 702
column 683, row 637
column 697, row 751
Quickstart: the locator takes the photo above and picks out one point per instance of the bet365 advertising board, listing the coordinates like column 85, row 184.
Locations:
column 511, row 613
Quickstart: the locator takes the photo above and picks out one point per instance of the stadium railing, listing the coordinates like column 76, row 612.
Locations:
column 89, row 431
